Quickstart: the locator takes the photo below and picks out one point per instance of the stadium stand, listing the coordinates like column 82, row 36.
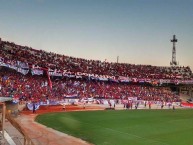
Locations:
column 39, row 58
column 31, row 75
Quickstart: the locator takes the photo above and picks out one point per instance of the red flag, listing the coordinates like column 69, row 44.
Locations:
column 49, row 80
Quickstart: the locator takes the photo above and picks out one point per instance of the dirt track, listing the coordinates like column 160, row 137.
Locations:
column 42, row 135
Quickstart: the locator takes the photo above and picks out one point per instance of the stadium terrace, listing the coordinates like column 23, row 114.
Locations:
column 28, row 60
column 34, row 75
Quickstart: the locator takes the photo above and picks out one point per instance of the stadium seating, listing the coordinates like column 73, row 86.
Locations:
column 35, row 88
column 11, row 51
column 30, row 87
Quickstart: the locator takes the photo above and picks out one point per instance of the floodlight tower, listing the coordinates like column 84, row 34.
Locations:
column 174, row 62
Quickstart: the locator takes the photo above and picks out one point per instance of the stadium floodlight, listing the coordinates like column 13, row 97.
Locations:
column 174, row 62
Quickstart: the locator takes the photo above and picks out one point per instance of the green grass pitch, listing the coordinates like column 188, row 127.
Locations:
column 125, row 127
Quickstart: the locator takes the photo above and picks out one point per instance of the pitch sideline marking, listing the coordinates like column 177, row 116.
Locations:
column 151, row 140
column 136, row 136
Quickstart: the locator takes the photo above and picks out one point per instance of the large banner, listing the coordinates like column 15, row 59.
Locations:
column 30, row 106
column 24, row 68
column 36, row 71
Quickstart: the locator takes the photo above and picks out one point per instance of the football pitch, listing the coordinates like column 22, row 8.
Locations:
column 125, row 127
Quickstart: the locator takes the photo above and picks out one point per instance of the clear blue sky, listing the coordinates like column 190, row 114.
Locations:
column 138, row 31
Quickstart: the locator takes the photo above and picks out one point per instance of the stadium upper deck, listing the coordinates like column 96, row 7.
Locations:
column 24, row 57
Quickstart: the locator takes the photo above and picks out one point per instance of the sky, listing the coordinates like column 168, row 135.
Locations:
column 138, row 31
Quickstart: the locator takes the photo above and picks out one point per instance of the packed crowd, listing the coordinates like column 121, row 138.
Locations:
column 12, row 51
column 36, row 88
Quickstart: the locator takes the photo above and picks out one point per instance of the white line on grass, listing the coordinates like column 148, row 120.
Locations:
column 151, row 140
